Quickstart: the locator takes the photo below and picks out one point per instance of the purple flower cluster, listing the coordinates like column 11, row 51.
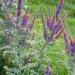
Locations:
column 25, row 20
column 59, row 7
column 52, row 23
column 11, row 20
column 44, row 25
column 69, row 43
column 47, row 70
column 19, row 9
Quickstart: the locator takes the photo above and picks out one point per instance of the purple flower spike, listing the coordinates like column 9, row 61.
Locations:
column 10, row 18
column 32, row 24
column 50, row 23
column 59, row 7
column 25, row 18
column 58, row 27
column 19, row 9
column 69, row 43
column 72, row 46
column 45, row 33
column 47, row 70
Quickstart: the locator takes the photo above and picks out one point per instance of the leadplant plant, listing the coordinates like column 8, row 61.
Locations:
column 52, row 28
column 24, row 57
column 21, row 38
